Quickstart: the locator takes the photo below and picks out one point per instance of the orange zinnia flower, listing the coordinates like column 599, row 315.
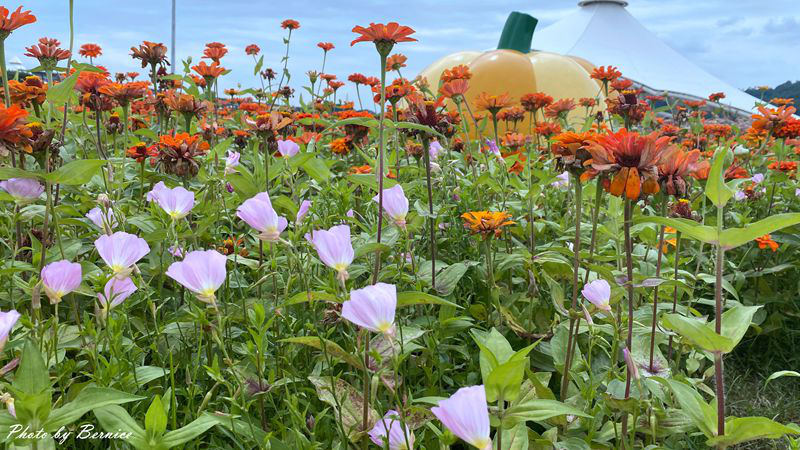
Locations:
column 459, row 72
column 559, row 108
column 176, row 154
column 632, row 158
column 535, row 101
column 766, row 241
column 125, row 92
column 486, row 223
column 290, row 24
column 17, row 19
column 252, row 49
column 454, row 88
column 675, row 168
column 391, row 32
column 396, row 62
column 90, row 50
column 32, row 90
column 139, row 152
column 215, row 51
column 208, row 72
column 716, row 97
column 492, row 103
column 150, row 53
column 606, row 74
column 326, row 46
column 360, row 170
column 12, row 126
column 340, row 146
column 570, row 149
column 91, row 82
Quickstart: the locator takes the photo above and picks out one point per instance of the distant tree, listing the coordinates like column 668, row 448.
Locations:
column 788, row 89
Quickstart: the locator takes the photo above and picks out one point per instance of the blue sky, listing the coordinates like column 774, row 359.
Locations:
column 744, row 42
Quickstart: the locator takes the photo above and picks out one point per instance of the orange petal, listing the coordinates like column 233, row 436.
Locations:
column 618, row 184
column 633, row 186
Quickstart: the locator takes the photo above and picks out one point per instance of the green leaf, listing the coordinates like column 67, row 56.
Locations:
column 688, row 228
column 191, row 431
column 447, row 279
column 146, row 374
column 372, row 247
column 704, row 415
column 90, row 398
column 155, row 420
column 258, row 66
column 743, row 429
column 13, row 172
column 32, row 376
column 505, row 380
column 59, row 94
column 409, row 298
column 716, row 190
column 540, row 409
column 114, row 419
column 734, row 237
column 735, row 323
column 782, row 373
column 516, row 438
column 317, row 170
column 76, row 172
column 697, row 332
column 330, row 347
column 309, row 297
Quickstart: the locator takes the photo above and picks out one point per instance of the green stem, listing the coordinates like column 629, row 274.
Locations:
column 576, row 248
column 380, row 167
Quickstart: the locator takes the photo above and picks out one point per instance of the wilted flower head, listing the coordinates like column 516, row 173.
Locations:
column 23, row 190
column 201, row 272
column 389, row 430
column 121, row 251
column 176, row 202
column 466, row 414
column 60, row 278
column 259, row 214
column 372, row 307
column 334, row 248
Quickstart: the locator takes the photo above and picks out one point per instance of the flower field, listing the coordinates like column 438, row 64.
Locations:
column 432, row 265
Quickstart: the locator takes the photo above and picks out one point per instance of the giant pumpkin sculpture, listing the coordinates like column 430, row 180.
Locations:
column 514, row 69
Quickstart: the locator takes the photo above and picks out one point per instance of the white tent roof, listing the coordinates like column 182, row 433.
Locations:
column 603, row 32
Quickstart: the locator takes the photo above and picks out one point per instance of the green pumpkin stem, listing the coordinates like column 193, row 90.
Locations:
column 517, row 32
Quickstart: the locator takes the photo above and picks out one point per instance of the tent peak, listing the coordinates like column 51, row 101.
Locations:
column 622, row 3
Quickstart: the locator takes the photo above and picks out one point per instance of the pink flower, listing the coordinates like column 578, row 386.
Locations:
column 259, row 214
column 599, row 293
column 201, row 272
column 115, row 292
column 231, row 162
column 389, row 430
column 120, row 251
column 632, row 368
column 106, row 221
column 176, row 202
column 350, row 213
column 372, row 307
column 301, row 213
column 466, row 414
column 494, row 149
column 177, row 252
column 7, row 322
column 562, row 180
column 23, row 190
column 288, row 148
column 334, row 248
column 60, row 278
column 395, row 204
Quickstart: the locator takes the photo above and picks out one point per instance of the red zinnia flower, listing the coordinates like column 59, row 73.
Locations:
column 460, row 72
column 717, row 96
column 90, row 50
column 150, row 53
column 208, row 71
column 766, row 241
column 252, row 49
column 47, row 52
column 290, row 24
column 606, row 74
column 357, row 78
column 396, row 62
column 326, row 46
column 535, row 101
column 391, row 32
